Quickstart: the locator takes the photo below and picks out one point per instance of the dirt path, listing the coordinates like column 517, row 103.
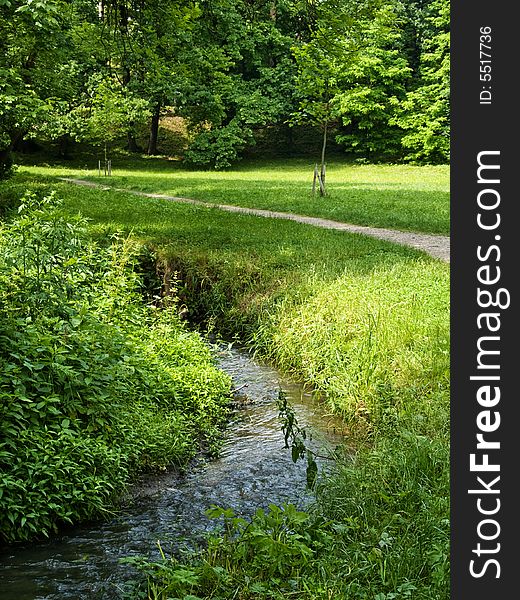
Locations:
column 437, row 246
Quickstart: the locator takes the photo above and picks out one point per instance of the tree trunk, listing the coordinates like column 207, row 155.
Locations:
column 322, row 169
column 17, row 137
column 64, row 146
column 6, row 162
column 132, row 144
column 154, row 130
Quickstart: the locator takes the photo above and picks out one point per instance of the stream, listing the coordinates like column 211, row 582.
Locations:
column 252, row 471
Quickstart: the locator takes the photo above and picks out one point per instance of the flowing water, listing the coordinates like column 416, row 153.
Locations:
column 253, row 470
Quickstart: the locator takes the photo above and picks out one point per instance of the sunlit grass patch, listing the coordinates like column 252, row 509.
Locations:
column 404, row 197
column 375, row 342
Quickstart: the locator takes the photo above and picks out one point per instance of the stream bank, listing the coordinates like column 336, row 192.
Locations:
column 253, row 470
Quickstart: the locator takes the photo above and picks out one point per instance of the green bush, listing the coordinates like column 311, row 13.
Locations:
column 95, row 385
column 219, row 148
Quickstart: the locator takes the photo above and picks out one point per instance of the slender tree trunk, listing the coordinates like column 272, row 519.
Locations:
column 131, row 141
column 323, row 150
column 154, row 130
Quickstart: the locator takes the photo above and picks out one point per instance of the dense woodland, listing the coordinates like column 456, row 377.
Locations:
column 367, row 76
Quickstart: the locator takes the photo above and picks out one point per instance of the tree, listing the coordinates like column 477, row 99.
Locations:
column 425, row 113
column 317, row 84
column 107, row 111
column 32, row 36
column 373, row 85
column 342, row 49
column 240, row 78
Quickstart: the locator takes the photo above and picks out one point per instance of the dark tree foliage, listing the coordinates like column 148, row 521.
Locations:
column 425, row 113
column 236, row 71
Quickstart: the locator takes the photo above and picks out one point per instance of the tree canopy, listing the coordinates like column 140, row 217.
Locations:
column 373, row 76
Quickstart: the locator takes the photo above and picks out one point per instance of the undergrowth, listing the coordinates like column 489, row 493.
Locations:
column 377, row 344
column 375, row 341
column 95, row 385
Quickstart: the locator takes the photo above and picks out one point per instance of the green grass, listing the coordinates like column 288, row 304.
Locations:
column 362, row 320
column 413, row 198
column 356, row 317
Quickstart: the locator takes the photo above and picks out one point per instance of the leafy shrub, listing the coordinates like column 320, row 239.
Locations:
column 95, row 385
column 218, row 148
column 57, row 475
column 267, row 557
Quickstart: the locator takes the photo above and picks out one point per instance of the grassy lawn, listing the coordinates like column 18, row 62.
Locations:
column 307, row 298
column 413, row 198
column 356, row 317
column 364, row 321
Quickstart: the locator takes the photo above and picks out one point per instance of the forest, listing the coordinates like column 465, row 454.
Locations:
column 371, row 77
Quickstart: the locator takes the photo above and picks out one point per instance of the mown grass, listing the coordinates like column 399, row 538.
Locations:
column 364, row 321
column 414, row 198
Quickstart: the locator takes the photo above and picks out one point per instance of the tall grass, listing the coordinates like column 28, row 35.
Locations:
column 374, row 342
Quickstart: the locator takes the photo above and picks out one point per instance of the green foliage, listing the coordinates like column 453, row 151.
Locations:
column 106, row 112
column 376, row 348
column 372, row 86
column 240, row 81
column 53, row 475
column 32, row 45
column 19, row 107
column 219, row 148
column 85, row 400
column 267, row 557
column 393, row 517
column 375, row 74
column 425, row 113
column 348, row 72
column 367, row 323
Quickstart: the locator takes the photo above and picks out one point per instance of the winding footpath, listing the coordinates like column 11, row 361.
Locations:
column 437, row 246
